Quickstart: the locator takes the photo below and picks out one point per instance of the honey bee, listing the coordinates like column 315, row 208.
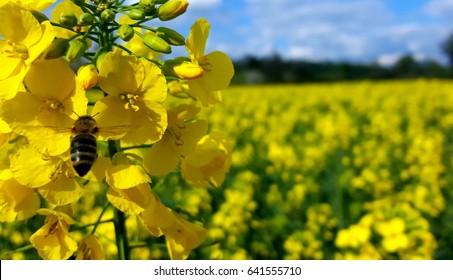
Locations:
column 80, row 136
column 83, row 148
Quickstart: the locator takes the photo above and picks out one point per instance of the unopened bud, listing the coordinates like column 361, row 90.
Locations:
column 170, row 36
column 87, row 76
column 76, row 49
column 156, row 43
column 172, row 9
column 188, row 70
column 86, row 19
column 136, row 14
column 107, row 15
column 125, row 32
column 57, row 49
column 68, row 20
column 100, row 59
column 147, row 6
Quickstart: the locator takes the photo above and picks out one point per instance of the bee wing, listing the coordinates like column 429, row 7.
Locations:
column 48, row 140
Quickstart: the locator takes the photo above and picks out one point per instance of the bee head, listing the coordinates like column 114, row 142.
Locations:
column 85, row 124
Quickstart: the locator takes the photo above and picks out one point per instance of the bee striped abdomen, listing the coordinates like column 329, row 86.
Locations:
column 83, row 152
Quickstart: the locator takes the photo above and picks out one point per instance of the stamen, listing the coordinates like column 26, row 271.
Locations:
column 205, row 64
column 17, row 51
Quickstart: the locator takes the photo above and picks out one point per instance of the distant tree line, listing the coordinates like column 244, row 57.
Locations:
column 274, row 69
column 252, row 70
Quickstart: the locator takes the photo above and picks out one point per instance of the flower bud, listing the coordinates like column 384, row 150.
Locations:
column 136, row 14
column 188, row 70
column 172, row 9
column 147, row 6
column 57, row 49
column 170, row 36
column 156, row 43
column 107, row 15
column 68, row 20
column 87, row 76
column 76, row 49
column 125, row 32
column 86, row 19
column 100, row 59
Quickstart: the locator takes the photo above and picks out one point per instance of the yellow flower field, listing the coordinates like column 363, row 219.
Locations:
column 358, row 170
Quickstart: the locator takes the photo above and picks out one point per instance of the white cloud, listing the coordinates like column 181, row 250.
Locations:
column 442, row 8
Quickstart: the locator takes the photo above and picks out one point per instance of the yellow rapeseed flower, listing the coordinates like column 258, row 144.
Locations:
column 52, row 240
column 24, row 39
column 210, row 161
column 179, row 139
column 136, row 88
column 17, row 202
column 46, row 114
column 206, row 74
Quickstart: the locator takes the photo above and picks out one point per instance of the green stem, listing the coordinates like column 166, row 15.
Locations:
column 100, row 216
column 121, row 235
column 119, row 220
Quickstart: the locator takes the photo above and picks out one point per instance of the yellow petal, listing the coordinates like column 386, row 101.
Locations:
column 150, row 122
column 188, row 70
column 154, row 85
column 51, row 79
column 157, row 217
column 30, row 168
column 120, row 73
column 162, row 158
column 205, row 96
column 22, row 202
column 183, row 239
column 196, row 41
column 220, row 74
column 90, row 249
column 37, row 5
column 126, row 176
column 62, row 191
column 113, row 119
column 131, row 201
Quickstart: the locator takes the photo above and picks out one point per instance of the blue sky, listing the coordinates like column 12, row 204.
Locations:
column 320, row 30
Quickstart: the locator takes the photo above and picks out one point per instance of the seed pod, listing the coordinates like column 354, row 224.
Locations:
column 125, row 32
column 156, row 43
column 172, row 9
column 170, row 36
column 68, row 20
column 76, row 50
